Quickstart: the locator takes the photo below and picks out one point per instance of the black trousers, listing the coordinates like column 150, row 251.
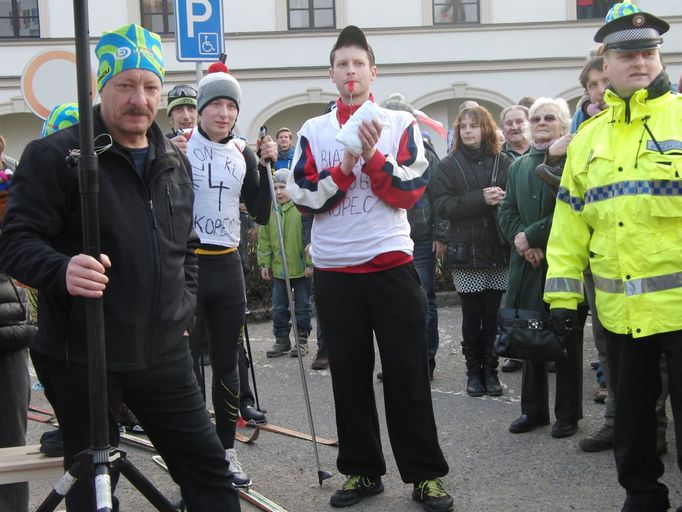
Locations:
column 636, row 380
column 391, row 305
column 167, row 401
column 221, row 307
column 568, row 404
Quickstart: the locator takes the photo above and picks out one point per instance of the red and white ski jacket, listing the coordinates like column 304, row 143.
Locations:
column 362, row 216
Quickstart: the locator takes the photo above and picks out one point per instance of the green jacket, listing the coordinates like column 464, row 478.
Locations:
column 528, row 207
column 292, row 231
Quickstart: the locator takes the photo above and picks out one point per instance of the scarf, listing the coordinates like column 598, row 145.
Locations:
column 543, row 146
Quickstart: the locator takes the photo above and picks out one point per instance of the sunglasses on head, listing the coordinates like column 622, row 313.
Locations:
column 547, row 117
column 182, row 91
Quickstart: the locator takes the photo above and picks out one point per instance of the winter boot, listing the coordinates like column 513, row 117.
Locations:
column 490, row 379
column 240, row 479
column 320, row 362
column 475, row 386
column 302, row 345
column 52, row 443
column 473, row 357
column 492, row 383
column 281, row 347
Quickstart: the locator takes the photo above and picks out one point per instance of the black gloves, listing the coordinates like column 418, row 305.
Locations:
column 565, row 321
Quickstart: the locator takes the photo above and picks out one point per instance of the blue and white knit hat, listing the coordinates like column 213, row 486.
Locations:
column 62, row 116
column 129, row 47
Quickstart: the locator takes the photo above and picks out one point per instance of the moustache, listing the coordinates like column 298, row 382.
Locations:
column 135, row 111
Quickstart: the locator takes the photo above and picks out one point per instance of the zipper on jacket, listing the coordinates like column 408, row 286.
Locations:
column 171, row 210
column 151, row 210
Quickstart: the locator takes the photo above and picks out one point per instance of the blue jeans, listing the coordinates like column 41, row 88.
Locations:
column 425, row 261
column 280, row 306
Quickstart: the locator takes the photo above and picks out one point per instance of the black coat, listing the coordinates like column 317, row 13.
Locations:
column 16, row 332
column 473, row 238
column 146, row 230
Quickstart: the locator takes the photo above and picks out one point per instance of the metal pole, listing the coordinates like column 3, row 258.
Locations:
column 88, row 180
column 199, row 71
column 321, row 475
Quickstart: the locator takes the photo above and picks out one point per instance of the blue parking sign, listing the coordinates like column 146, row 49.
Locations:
column 198, row 30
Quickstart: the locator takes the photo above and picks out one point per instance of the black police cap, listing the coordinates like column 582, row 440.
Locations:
column 637, row 31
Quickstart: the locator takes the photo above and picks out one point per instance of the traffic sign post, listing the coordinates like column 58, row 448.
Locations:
column 199, row 30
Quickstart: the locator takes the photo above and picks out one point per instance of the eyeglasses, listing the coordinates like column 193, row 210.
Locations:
column 547, row 117
column 182, row 91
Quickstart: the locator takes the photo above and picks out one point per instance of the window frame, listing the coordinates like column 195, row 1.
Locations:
column 598, row 10
column 441, row 3
column 16, row 19
column 311, row 15
column 168, row 19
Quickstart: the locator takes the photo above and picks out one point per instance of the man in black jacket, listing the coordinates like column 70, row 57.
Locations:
column 146, row 276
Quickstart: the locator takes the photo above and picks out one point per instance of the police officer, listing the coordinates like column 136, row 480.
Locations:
column 619, row 208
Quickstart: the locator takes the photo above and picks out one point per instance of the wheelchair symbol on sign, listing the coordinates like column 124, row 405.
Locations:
column 208, row 44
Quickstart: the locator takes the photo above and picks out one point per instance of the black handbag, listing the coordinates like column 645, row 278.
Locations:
column 527, row 334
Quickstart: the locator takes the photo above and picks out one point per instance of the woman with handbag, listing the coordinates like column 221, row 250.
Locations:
column 470, row 186
column 526, row 218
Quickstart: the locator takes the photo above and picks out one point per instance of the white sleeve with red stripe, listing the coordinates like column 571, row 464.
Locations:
column 399, row 180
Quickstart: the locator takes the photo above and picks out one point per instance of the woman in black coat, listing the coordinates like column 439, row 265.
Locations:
column 470, row 185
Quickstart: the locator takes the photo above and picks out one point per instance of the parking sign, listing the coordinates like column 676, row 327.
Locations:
column 198, row 30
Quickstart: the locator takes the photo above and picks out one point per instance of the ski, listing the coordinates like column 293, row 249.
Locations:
column 136, row 440
column 42, row 418
column 276, row 429
column 40, row 410
column 42, row 415
column 131, row 439
column 247, row 439
column 249, row 494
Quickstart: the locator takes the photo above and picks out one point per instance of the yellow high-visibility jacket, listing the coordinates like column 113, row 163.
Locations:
column 619, row 209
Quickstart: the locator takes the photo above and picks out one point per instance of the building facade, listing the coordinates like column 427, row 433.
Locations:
column 438, row 53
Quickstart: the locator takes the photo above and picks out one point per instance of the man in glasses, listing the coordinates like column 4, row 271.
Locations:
column 146, row 275
column 619, row 209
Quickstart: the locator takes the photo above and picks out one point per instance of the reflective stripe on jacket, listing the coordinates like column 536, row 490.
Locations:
column 619, row 209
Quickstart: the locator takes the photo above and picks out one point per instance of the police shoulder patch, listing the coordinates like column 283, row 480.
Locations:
column 664, row 145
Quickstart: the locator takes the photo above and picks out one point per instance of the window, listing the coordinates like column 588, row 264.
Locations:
column 159, row 16
column 311, row 14
column 452, row 12
column 19, row 18
column 592, row 9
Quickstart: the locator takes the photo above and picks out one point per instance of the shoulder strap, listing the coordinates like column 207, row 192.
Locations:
column 493, row 181
column 461, row 170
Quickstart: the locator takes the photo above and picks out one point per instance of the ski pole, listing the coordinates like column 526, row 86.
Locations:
column 247, row 342
column 321, row 475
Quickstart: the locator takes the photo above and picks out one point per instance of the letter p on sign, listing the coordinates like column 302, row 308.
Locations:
column 194, row 17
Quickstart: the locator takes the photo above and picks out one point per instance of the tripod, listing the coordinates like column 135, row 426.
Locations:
column 97, row 461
